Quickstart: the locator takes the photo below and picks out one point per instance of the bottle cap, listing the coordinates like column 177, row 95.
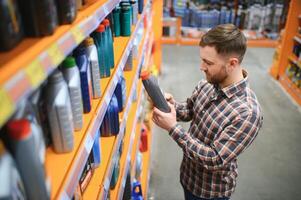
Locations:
column 106, row 22
column 19, row 129
column 101, row 28
column 89, row 41
column 145, row 75
column 69, row 62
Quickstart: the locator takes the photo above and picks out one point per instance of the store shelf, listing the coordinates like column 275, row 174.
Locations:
column 102, row 176
column 169, row 40
column 25, row 67
column 125, row 159
column 291, row 88
column 65, row 178
column 293, row 58
column 110, row 145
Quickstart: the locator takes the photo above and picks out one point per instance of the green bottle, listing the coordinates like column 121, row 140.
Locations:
column 116, row 18
column 99, row 39
column 125, row 20
column 109, row 37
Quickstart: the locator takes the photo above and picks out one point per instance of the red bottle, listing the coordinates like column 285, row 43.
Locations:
column 143, row 139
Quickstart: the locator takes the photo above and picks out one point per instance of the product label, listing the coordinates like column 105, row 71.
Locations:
column 35, row 73
column 77, row 34
column 6, row 106
column 55, row 54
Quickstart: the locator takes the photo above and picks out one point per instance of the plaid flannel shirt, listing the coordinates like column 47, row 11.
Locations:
column 224, row 122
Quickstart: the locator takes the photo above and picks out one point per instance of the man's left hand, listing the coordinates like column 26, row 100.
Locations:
column 165, row 120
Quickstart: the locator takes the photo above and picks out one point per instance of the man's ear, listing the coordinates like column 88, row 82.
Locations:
column 232, row 63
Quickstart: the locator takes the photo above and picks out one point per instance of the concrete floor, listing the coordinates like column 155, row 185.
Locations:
column 271, row 168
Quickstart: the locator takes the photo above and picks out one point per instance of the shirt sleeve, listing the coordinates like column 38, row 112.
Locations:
column 232, row 141
column 184, row 109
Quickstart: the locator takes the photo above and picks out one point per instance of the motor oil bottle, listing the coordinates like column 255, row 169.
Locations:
column 25, row 110
column 72, row 78
column 11, row 185
column 152, row 88
column 109, row 38
column 85, row 77
column 92, row 55
column 39, row 17
column 10, row 27
column 67, row 11
column 99, row 40
column 59, row 113
column 22, row 146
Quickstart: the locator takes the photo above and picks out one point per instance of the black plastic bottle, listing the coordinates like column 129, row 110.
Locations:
column 10, row 25
column 39, row 17
column 153, row 90
column 67, row 11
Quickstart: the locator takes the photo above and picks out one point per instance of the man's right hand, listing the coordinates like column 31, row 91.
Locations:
column 169, row 98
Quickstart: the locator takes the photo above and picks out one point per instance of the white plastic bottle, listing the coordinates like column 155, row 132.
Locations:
column 92, row 55
column 72, row 78
column 11, row 185
column 22, row 146
column 59, row 113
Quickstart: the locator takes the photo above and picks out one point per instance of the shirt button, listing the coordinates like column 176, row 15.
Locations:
column 203, row 111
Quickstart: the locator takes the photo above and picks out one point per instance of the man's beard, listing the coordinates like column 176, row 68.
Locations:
column 219, row 77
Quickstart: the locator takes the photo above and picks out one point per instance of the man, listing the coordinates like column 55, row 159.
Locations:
column 224, row 113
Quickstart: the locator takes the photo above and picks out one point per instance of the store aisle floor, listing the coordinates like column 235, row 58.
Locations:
column 271, row 168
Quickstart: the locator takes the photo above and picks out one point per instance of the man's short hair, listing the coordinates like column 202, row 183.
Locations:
column 227, row 39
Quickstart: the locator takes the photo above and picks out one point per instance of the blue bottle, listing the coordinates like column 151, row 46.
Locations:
column 96, row 151
column 85, row 77
column 140, row 6
column 118, row 94
column 115, row 115
column 137, row 191
column 110, row 124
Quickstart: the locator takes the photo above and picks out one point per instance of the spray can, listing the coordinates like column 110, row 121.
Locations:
column 10, row 26
column 151, row 86
column 85, row 77
column 72, row 78
column 92, row 55
column 67, row 11
column 39, row 17
column 21, row 144
column 11, row 186
column 59, row 113
column 109, row 37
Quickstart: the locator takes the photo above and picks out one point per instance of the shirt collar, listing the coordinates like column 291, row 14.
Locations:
column 234, row 88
